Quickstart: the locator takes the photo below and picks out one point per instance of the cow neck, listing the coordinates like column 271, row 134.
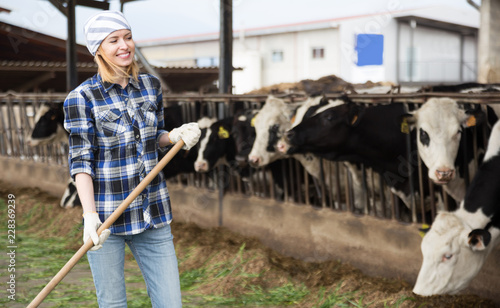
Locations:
column 378, row 137
column 467, row 144
column 484, row 192
column 384, row 149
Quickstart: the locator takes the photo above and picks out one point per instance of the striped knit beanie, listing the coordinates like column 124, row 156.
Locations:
column 99, row 26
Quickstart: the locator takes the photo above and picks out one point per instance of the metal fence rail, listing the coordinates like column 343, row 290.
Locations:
column 334, row 190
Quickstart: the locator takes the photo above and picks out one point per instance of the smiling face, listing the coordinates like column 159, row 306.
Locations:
column 119, row 48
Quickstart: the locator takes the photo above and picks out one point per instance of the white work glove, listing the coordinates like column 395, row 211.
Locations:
column 91, row 223
column 189, row 133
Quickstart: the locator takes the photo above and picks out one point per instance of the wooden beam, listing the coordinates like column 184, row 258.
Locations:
column 59, row 5
column 103, row 5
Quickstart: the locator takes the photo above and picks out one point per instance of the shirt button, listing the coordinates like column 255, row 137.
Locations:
column 137, row 136
column 126, row 99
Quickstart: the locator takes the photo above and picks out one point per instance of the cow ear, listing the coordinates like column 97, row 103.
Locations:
column 479, row 239
column 406, row 121
column 474, row 117
column 223, row 133
column 423, row 230
column 354, row 114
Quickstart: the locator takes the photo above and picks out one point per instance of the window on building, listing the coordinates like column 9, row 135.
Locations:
column 277, row 56
column 318, row 53
column 207, row 61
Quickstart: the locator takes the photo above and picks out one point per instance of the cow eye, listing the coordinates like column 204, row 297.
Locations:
column 424, row 137
column 447, row 257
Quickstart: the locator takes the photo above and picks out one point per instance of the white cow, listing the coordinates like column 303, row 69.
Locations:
column 458, row 243
column 440, row 123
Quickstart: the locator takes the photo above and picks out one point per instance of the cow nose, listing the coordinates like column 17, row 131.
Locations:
column 445, row 175
column 282, row 146
column 200, row 166
column 254, row 161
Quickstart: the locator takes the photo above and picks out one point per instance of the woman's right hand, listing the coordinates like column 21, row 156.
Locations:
column 91, row 223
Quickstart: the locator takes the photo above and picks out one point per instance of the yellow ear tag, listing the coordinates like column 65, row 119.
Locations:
column 223, row 133
column 252, row 122
column 424, row 227
column 405, row 129
column 354, row 119
column 293, row 119
column 471, row 121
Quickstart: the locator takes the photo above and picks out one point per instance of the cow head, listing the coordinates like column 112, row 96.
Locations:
column 453, row 254
column 306, row 110
column 326, row 130
column 201, row 164
column 48, row 126
column 439, row 124
column 243, row 133
column 270, row 122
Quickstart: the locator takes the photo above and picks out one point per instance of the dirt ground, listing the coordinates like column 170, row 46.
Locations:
column 225, row 244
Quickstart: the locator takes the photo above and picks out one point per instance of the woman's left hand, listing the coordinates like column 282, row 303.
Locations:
column 189, row 133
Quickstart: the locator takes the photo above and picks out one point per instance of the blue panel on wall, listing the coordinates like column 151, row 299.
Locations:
column 370, row 49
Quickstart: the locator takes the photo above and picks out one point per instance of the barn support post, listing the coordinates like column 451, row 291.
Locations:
column 10, row 131
column 3, row 132
column 225, row 71
column 226, row 47
column 489, row 45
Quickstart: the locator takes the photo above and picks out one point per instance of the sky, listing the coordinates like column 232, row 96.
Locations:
column 156, row 19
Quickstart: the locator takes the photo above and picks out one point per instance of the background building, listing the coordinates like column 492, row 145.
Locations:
column 427, row 45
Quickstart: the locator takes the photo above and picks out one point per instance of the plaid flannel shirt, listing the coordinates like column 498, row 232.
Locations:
column 114, row 137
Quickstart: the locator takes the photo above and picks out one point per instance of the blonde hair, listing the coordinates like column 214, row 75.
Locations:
column 111, row 72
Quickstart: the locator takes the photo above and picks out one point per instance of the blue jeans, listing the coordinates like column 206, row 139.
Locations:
column 154, row 252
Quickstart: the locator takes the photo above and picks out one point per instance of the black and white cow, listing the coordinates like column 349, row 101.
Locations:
column 216, row 144
column 244, row 134
column 440, row 125
column 372, row 136
column 458, row 243
column 48, row 127
column 70, row 196
column 273, row 120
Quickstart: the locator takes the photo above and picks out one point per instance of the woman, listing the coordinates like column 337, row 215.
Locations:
column 115, row 121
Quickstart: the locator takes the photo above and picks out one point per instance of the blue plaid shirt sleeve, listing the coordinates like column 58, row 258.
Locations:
column 161, row 121
column 78, row 121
